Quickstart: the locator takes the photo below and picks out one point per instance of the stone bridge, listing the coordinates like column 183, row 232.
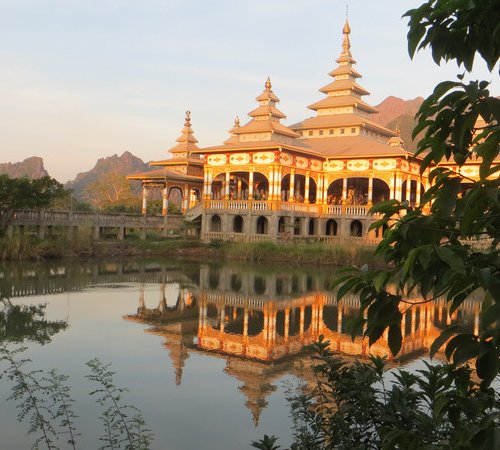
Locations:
column 47, row 222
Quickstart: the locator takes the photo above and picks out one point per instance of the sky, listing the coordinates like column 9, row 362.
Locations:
column 86, row 79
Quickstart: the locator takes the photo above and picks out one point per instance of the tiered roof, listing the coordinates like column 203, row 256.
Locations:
column 343, row 104
column 184, row 164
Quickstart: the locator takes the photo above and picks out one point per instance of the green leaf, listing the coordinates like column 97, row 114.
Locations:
column 442, row 338
column 451, row 258
column 487, row 365
column 490, row 315
column 395, row 339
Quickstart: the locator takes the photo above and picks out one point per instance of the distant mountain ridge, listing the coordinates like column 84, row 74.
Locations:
column 31, row 167
column 125, row 164
column 396, row 113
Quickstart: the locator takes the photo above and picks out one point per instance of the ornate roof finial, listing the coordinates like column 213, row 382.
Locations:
column 268, row 84
column 237, row 121
column 188, row 118
column 398, row 131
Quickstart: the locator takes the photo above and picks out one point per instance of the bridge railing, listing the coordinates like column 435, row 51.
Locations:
column 50, row 217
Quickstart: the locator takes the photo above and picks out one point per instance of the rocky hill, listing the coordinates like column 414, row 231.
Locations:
column 30, row 167
column 124, row 164
column 396, row 113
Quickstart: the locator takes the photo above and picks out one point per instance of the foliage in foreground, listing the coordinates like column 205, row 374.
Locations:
column 358, row 406
column 453, row 250
column 44, row 401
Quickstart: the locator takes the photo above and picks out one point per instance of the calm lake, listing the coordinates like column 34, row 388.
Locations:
column 206, row 351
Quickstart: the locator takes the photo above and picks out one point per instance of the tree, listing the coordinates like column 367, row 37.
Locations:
column 437, row 253
column 18, row 193
column 110, row 191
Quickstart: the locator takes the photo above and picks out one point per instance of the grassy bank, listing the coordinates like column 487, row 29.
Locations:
column 29, row 247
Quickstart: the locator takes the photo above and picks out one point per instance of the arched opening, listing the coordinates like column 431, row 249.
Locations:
column 331, row 228
column 381, row 191
column 259, row 285
column 238, row 185
column 334, row 193
column 356, row 228
column 281, row 225
column 238, row 224
column 357, row 191
column 312, row 190
column 330, row 317
column 174, row 199
column 311, row 229
column 261, row 186
column 236, row 282
column 297, row 223
column 217, row 188
column 255, row 322
column 285, row 188
column 216, row 223
column 213, row 279
column 262, row 226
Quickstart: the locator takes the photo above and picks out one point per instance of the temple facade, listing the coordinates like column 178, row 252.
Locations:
column 315, row 179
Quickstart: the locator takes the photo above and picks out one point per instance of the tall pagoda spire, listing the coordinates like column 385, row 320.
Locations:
column 265, row 121
column 186, row 142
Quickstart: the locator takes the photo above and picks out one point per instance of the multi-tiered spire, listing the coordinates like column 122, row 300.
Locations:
column 265, row 123
column 186, row 141
column 344, row 92
column 343, row 112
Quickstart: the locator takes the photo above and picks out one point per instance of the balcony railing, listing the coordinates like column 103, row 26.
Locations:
column 270, row 205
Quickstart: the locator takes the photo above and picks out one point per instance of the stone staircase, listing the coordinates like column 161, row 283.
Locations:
column 193, row 213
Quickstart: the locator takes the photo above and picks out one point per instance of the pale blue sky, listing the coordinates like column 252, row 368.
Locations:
column 84, row 79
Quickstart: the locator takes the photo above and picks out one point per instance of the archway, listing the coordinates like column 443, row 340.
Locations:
column 281, row 225
column 356, row 228
column 297, row 225
column 334, row 192
column 312, row 190
column 331, row 228
column 238, row 224
column 311, row 230
column 175, row 197
column 381, row 191
column 216, row 223
column 262, row 226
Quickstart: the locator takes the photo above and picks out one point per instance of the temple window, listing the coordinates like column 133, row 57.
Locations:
column 331, row 131
column 342, row 131
column 353, row 130
column 310, row 132
column 321, row 132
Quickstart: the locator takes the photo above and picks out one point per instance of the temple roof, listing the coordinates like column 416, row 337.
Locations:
column 353, row 146
column 342, row 100
column 265, row 118
column 193, row 160
column 341, row 120
column 186, row 141
column 162, row 174
column 341, row 85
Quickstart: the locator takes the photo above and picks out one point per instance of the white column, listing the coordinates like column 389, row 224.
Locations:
column 306, row 188
column 250, row 184
column 419, row 193
column 164, row 195
column 370, row 190
column 226, row 193
column 344, row 190
column 292, row 184
column 144, row 200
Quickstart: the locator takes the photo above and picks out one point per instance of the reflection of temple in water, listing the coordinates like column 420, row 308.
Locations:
column 260, row 321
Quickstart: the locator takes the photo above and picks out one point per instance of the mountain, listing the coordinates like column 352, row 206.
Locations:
column 396, row 113
column 124, row 164
column 30, row 167
column 393, row 107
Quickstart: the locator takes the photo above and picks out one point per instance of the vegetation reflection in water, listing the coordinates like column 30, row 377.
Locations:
column 257, row 319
